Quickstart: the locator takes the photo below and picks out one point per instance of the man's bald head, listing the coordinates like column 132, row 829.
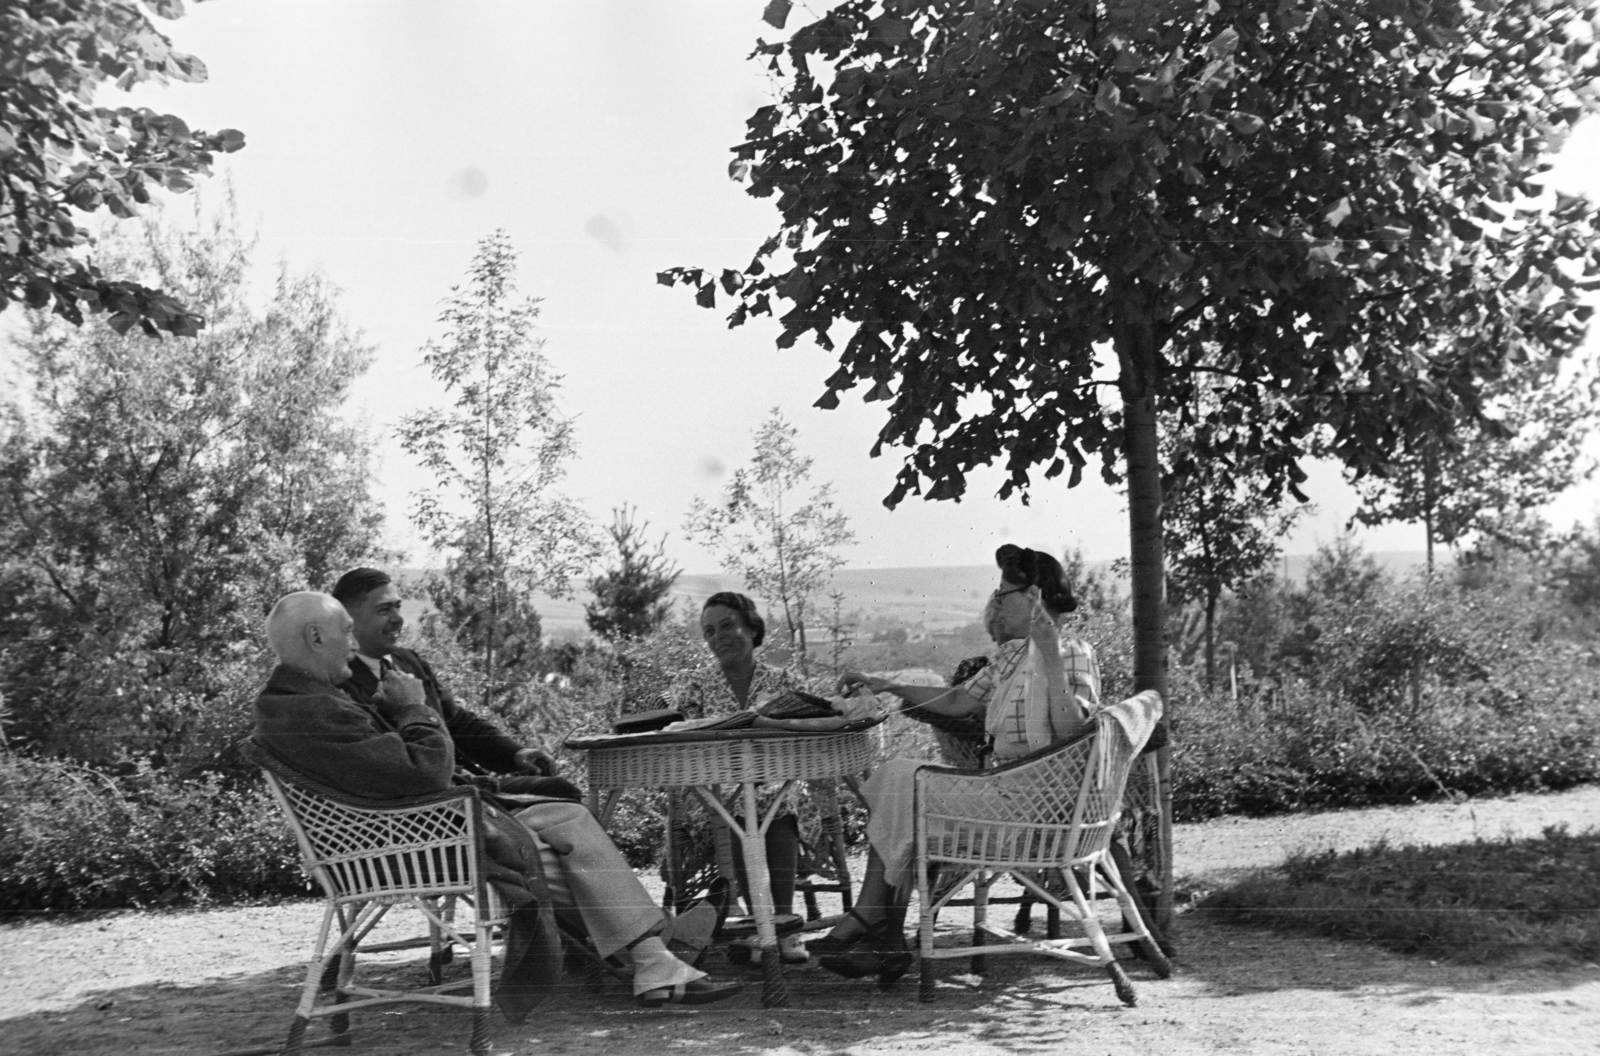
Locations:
column 311, row 631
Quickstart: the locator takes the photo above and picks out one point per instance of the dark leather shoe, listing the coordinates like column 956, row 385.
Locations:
column 885, row 956
column 700, row 992
column 828, row 946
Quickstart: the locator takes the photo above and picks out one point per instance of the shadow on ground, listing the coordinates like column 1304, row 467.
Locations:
column 1021, row 1004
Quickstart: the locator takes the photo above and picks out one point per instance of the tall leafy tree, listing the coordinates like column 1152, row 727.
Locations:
column 780, row 539
column 633, row 596
column 1000, row 210
column 158, row 496
column 497, row 456
column 62, row 154
column 1528, row 451
column 1220, row 529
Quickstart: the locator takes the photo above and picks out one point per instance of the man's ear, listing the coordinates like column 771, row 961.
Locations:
column 313, row 636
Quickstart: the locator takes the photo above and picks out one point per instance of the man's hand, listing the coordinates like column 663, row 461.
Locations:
column 400, row 690
column 535, row 761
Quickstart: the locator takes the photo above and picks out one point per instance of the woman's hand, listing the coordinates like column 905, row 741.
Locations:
column 850, row 681
column 1042, row 627
column 857, row 705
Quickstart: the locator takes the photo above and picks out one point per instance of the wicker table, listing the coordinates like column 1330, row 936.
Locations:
column 748, row 758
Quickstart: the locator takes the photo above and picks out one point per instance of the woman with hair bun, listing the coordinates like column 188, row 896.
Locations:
column 1027, row 609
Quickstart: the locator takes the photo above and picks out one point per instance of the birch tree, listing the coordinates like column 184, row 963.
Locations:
column 781, row 540
column 497, row 456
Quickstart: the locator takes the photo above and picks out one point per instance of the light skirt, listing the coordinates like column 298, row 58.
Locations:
column 891, row 825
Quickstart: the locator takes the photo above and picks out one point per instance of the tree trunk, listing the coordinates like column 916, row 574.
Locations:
column 1427, row 531
column 1430, row 499
column 1211, row 637
column 800, row 631
column 1147, row 561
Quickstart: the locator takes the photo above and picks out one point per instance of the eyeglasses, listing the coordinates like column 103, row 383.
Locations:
column 1000, row 592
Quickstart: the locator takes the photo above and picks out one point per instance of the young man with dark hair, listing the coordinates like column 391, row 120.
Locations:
column 373, row 601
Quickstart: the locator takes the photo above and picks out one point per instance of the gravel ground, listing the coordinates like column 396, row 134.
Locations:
column 223, row 980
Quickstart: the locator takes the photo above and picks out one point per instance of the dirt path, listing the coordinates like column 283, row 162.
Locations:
column 219, row 980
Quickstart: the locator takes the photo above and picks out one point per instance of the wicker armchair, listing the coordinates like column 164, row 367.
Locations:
column 1047, row 821
column 1138, row 849
column 370, row 856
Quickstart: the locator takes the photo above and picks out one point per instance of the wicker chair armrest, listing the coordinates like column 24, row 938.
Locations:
column 942, row 788
column 260, row 755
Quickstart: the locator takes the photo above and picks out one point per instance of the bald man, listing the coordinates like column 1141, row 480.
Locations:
column 395, row 745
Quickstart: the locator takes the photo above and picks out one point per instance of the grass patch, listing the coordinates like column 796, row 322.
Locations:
column 1485, row 902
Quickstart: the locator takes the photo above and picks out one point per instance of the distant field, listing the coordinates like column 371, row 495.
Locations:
column 934, row 598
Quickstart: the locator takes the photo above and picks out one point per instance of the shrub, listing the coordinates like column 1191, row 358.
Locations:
column 1294, row 746
column 74, row 838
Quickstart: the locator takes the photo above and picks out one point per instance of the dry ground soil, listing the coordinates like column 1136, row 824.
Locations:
column 217, row 981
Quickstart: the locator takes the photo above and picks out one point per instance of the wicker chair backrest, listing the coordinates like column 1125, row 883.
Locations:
column 419, row 847
column 1054, row 809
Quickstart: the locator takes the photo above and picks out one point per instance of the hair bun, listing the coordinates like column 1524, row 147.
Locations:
column 1035, row 568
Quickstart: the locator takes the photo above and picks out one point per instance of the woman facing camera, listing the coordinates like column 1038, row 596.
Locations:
column 1025, row 613
column 733, row 630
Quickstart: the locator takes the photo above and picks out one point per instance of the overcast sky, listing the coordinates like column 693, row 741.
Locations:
column 385, row 137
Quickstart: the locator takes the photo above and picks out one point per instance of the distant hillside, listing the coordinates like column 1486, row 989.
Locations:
column 937, row 598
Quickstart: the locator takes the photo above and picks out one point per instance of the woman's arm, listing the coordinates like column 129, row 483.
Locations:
column 1071, row 673
column 939, row 700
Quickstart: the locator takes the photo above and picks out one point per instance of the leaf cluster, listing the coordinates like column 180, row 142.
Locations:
column 1220, row 529
column 158, row 497
column 782, row 541
column 498, row 453
column 74, row 839
column 1528, row 451
column 1001, row 211
column 632, row 598
column 62, row 154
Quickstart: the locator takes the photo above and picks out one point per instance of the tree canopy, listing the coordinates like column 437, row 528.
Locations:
column 1001, row 211
column 1219, row 530
column 633, row 595
column 1482, row 479
column 158, row 497
column 61, row 153
column 1032, row 228
column 497, row 456
column 781, row 540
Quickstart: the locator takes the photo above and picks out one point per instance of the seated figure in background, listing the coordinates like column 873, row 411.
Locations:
column 396, row 744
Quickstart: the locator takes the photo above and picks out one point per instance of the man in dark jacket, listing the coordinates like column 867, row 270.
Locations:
column 372, row 600
column 398, row 744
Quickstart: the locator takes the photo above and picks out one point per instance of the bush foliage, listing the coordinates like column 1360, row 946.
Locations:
column 1347, row 689
column 1358, row 689
column 75, row 838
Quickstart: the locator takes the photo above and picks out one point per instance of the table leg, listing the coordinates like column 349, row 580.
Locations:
column 774, row 991
column 603, row 807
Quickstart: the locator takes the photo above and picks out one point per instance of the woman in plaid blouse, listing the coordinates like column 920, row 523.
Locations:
column 1024, row 614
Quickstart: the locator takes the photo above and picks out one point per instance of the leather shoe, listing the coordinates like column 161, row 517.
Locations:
column 703, row 991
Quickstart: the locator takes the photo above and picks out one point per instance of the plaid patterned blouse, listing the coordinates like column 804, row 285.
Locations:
column 1083, row 681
